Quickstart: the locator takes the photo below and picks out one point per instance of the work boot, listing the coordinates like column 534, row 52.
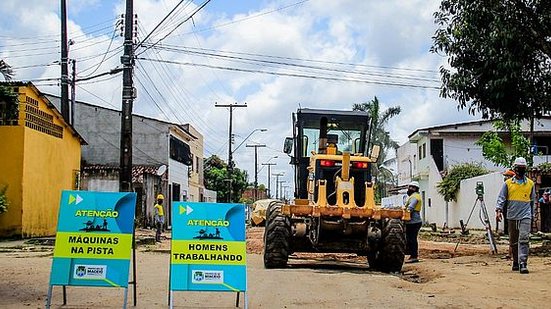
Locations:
column 515, row 266
column 412, row 260
column 523, row 268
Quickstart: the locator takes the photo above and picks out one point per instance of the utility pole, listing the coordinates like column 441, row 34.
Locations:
column 127, row 60
column 269, row 177
column 277, row 183
column 230, row 163
column 73, row 91
column 280, row 183
column 64, row 64
column 256, row 146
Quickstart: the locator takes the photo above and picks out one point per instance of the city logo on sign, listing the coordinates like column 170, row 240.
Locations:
column 207, row 276
column 80, row 271
column 90, row 272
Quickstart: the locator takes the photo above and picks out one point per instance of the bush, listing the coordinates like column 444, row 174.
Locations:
column 449, row 186
column 3, row 200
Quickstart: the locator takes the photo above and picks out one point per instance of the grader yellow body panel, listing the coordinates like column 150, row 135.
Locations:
column 334, row 208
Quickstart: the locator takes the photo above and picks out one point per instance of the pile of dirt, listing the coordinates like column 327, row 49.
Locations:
column 255, row 242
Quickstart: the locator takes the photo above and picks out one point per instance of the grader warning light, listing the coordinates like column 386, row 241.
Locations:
column 334, row 202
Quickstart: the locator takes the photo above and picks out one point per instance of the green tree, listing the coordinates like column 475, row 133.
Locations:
column 499, row 53
column 378, row 135
column 495, row 150
column 379, row 119
column 449, row 186
column 216, row 179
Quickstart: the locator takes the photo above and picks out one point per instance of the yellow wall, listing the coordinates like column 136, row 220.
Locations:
column 11, row 167
column 49, row 165
column 46, row 167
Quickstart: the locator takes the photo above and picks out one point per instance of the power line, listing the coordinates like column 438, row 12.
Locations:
column 177, row 26
column 104, row 55
column 236, row 58
column 417, row 70
column 341, row 79
column 159, row 24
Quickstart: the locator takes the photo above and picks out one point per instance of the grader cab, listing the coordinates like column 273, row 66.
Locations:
column 334, row 207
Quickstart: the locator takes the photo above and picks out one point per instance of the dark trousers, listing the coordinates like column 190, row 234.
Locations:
column 412, row 230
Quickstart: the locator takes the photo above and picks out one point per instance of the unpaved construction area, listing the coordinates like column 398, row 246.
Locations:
column 472, row 278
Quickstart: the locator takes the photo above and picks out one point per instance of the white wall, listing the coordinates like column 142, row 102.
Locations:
column 404, row 161
column 103, row 185
column 209, row 196
column 461, row 149
column 466, row 198
column 178, row 173
column 435, row 205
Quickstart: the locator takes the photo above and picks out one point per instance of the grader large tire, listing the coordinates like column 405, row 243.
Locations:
column 391, row 254
column 277, row 235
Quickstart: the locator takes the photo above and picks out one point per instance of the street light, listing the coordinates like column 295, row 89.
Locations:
column 269, row 173
column 256, row 146
column 245, row 139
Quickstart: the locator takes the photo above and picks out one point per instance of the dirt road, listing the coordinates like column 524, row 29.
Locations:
column 472, row 280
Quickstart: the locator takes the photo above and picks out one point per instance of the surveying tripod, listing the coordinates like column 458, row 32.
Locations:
column 483, row 214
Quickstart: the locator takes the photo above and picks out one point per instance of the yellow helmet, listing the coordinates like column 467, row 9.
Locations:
column 160, row 197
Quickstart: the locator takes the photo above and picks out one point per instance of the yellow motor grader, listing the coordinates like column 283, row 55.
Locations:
column 334, row 207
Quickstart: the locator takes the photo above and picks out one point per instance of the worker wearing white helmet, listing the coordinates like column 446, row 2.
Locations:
column 414, row 203
column 518, row 195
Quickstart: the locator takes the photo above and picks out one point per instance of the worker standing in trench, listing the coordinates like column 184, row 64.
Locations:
column 518, row 194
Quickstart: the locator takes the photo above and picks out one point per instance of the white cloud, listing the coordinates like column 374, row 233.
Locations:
column 381, row 33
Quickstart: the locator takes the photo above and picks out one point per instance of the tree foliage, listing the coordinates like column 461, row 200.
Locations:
column 495, row 150
column 379, row 136
column 449, row 186
column 499, row 53
column 379, row 119
column 216, row 179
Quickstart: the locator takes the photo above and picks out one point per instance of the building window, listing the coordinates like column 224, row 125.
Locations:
column 422, row 151
column 197, row 162
column 179, row 151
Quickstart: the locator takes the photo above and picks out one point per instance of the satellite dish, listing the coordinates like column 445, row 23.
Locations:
column 161, row 170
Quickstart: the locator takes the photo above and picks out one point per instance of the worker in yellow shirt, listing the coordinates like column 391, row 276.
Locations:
column 159, row 217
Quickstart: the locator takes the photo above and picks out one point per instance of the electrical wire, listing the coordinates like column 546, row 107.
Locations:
column 328, row 78
column 104, row 55
column 177, row 26
column 271, row 62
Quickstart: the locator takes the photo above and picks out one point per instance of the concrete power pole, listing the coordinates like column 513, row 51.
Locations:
column 230, row 163
column 269, row 177
column 277, row 183
column 64, row 64
column 256, row 146
column 73, row 90
column 127, row 60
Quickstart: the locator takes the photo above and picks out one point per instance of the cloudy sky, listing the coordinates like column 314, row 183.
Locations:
column 274, row 55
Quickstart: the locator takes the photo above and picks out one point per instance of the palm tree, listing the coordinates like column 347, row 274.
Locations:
column 6, row 70
column 378, row 135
